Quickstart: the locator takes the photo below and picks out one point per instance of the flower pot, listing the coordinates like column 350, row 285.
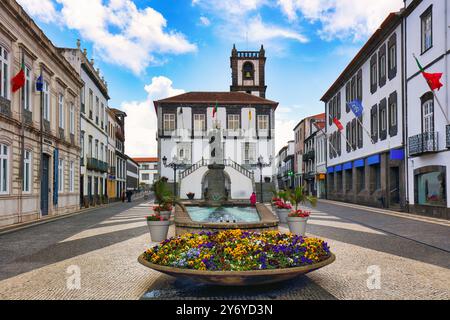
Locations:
column 282, row 214
column 158, row 230
column 191, row 196
column 297, row 225
column 165, row 214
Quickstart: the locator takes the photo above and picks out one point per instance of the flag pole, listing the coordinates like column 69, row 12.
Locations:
column 365, row 130
column 326, row 136
column 434, row 93
column 41, row 169
column 345, row 137
column 22, row 142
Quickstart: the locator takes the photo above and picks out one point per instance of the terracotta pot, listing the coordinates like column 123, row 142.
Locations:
column 283, row 214
column 158, row 230
column 297, row 225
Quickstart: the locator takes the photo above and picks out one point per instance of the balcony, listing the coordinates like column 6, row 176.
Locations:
column 5, row 106
column 309, row 155
column 310, row 175
column 96, row 165
column 448, row 136
column 423, row 143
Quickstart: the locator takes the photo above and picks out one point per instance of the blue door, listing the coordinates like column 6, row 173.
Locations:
column 44, row 185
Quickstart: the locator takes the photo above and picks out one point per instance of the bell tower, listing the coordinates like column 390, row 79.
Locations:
column 248, row 71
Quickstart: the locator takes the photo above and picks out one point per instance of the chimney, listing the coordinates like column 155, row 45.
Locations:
column 78, row 43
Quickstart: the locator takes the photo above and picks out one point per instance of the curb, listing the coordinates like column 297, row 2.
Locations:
column 26, row 225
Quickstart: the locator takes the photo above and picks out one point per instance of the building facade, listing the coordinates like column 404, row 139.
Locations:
column 428, row 131
column 366, row 160
column 285, row 167
column 94, row 125
column 39, row 131
column 132, row 175
column 148, row 171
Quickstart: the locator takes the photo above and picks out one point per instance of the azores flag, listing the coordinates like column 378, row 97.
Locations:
column 356, row 107
column 40, row 84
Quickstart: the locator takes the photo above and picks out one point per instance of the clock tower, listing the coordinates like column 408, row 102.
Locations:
column 248, row 72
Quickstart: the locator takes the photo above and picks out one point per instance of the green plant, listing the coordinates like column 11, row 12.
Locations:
column 284, row 195
column 298, row 196
column 162, row 192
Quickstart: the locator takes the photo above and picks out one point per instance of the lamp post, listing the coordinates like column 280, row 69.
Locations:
column 261, row 164
column 175, row 165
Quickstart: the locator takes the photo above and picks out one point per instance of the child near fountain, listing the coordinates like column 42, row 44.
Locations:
column 253, row 199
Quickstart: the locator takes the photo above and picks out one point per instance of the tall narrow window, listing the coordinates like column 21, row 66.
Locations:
column 263, row 122
column 60, row 175
column 72, row 119
column 427, row 29
column 4, row 76
column 248, row 154
column 61, row 110
column 82, row 147
column 27, row 98
column 102, row 113
column 27, row 171
column 91, row 104
column 169, row 122
column 96, row 149
column 4, row 169
column 46, row 102
column 90, row 147
column 71, row 177
column 428, row 116
column 97, row 107
column 392, row 57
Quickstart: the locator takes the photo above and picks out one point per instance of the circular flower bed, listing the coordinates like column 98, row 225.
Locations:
column 238, row 250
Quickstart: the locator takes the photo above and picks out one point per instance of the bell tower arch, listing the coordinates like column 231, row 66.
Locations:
column 248, row 71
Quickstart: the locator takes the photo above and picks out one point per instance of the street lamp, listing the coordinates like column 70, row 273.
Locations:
column 175, row 165
column 261, row 164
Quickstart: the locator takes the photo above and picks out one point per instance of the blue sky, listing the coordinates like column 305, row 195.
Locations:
column 149, row 49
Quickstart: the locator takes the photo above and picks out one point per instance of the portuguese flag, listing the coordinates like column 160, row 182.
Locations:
column 19, row 80
column 338, row 124
column 215, row 110
column 433, row 79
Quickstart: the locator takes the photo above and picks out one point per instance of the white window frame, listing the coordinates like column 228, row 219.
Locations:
column 383, row 66
column 427, row 31
column 60, row 175
column 27, row 171
column 428, row 116
column 72, row 118
column 263, row 122
column 71, row 177
column 4, row 73
column 169, row 122
column 199, row 122
column 46, row 106
column 234, row 122
column 392, row 56
column 383, row 116
column 4, row 168
column 28, row 89
column 61, row 111
column 393, row 114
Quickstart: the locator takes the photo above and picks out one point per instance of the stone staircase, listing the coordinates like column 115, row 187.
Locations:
column 227, row 162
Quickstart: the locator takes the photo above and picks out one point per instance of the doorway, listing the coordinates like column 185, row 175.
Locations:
column 44, row 184
column 394, row 188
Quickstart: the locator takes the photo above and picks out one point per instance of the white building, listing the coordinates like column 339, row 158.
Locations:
column 94, row 125
column 362, row 168
column 320, row 150
column 148, row 171
column 428, row 132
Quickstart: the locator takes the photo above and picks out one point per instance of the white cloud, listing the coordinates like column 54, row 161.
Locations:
column 122, row 34
column 260, row 32
column 341, row 18
column 140, row 123
column 204, row 21
column 43, row 10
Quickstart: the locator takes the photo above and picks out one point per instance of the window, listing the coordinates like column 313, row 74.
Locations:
column 27, row 171
column 91, row 103
column 331, row 182
column 169, row 122
column 90, row 147
column 145, row 176
column 101, row 152
column 71, row 177
column 27, row 98
column 375, row 173
column 383, row 119
column 96, row 149
column 61, row 110
column 4, row 76
column 263, row 122
column 4, row 169
column 97, row 106
column 382, row 67
column 248, row 153
column 83, row 99
column 428, row 116
column 72, row 119
column 46, row 102
column 248, row 71
column 82, row 147
column 393, row 114
column 60, row 175
column 373, row 74
column 199, row 122
column 427, row 29
column 234, row 122
column 374, row 123
column 392, row 57
column 361, row 179
column 430, row 186
column 102, row 114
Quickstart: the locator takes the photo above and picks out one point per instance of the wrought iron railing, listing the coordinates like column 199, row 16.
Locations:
column 309, row 155
column 194, row 167
column 423, row 143
column 227, row 162
column 239, row 168
column 96, row 165
column 448, row 135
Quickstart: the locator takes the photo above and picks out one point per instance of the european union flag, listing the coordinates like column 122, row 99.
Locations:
column 356, row 107
column 40, row 84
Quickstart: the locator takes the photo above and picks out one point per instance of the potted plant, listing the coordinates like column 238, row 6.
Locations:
column 282, row 209
column 297, row 221
column 158, row 226
column 190, row 195
column 298, row 218
column 164, row 210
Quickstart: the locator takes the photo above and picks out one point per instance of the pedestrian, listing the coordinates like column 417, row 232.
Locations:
column 129, row 193
column 253, row 199
column 123, row 196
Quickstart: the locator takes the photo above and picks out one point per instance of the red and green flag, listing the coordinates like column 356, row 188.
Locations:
column 19, row 79
column 215, row 110
column 433, row 79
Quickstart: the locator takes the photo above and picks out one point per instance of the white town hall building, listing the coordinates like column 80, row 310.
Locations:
column 242, row 120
